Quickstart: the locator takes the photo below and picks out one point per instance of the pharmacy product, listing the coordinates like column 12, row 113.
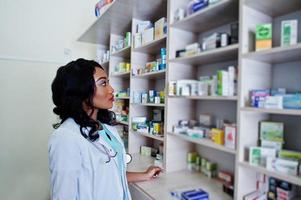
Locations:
column 289, row 32
column 263, row 36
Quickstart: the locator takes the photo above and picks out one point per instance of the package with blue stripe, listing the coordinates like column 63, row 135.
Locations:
column 189, row 194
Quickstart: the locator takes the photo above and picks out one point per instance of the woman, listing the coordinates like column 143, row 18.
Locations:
column 86, row 154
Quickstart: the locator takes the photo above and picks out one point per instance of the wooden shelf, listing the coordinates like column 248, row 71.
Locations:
column 289, row 178
column 149, row 104
column 274, row 8
column 217, row 98
column 121, row 74
column 125, row 52
column 205, row 142
column 160, row 187
column 149, row 135
column 152, row 75
column 123, row 123
column 211, row 17
column 272, row 111
column 115, row 18
column 210, row 56
column 276, row 54
column 152, row 47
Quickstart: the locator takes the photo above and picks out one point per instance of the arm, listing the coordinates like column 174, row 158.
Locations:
column 151, row 173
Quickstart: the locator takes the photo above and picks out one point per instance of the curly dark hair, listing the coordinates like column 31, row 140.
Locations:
column 72, row 86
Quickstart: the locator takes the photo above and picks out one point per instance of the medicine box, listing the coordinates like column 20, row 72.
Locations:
column 292, row 101
column 293, row 155
column 222, row 83
column 272, row 131
column 148, row 35
column 137, row 40
column 263, row 36
column 258, row 155
column 289, row 32
column 230, row 135
column 282, row 165
column 159, row 28
column 143, row 25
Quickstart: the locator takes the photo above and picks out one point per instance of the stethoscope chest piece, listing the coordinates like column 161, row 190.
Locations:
column 128, row 158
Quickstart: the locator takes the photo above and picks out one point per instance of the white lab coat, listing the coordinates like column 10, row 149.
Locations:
column 79, row 170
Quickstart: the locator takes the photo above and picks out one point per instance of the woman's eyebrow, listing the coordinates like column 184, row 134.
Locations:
column 103, row 77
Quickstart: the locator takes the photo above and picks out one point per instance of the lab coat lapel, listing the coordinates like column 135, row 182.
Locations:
column 100, row 143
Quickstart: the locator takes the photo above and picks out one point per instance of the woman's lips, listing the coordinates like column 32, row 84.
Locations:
column 111, row 99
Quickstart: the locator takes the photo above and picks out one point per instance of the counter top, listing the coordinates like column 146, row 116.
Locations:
column 160, row 187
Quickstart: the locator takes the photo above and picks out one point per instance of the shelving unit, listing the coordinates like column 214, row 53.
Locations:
column 151, row 47
column 152, row 75
column 206, row 143
column 276, row 54
column 150, row 136
column 278, row 67
column 289, row 178
column 209, row 17
column 210, row 56
column 124, row 52
column 218, row 98
column 272, row 111
column 149, row 104
column 272, row 68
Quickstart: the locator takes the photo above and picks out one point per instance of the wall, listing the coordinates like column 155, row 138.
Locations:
column 36, row 37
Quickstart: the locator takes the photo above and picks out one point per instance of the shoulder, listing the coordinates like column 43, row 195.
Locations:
column 67, row 134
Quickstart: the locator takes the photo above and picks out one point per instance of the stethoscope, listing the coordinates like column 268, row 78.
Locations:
column 108, row 152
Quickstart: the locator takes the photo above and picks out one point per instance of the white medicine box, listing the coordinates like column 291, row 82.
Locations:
column 148, row 35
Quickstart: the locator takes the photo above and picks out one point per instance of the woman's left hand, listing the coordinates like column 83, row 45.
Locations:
column 152, row 172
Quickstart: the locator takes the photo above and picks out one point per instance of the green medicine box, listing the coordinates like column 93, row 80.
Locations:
column 272, row 131
column 264, row 32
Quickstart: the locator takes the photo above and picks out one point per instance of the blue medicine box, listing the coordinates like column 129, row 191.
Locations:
column 196, row 194
column 292, row 101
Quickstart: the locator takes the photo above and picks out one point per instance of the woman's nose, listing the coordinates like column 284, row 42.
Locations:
column 111, row 89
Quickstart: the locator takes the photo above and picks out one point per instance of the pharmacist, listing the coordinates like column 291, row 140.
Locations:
column 86, row 154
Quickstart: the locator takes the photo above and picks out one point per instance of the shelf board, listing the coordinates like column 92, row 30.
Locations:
column 160, row 187
column 121, row 74
column 123, row 123
column 206, row 143
column 213, row 16
column 126, row 98
column 276, row 54
column 149, row 135
column 274, row 8
column 152, row 75
column 218, row 98
column 211, row 56
column 289, row 178
column 125, row 52
column 149, row 104
column 152, row 47
column 272, row 111
column 115, row 18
